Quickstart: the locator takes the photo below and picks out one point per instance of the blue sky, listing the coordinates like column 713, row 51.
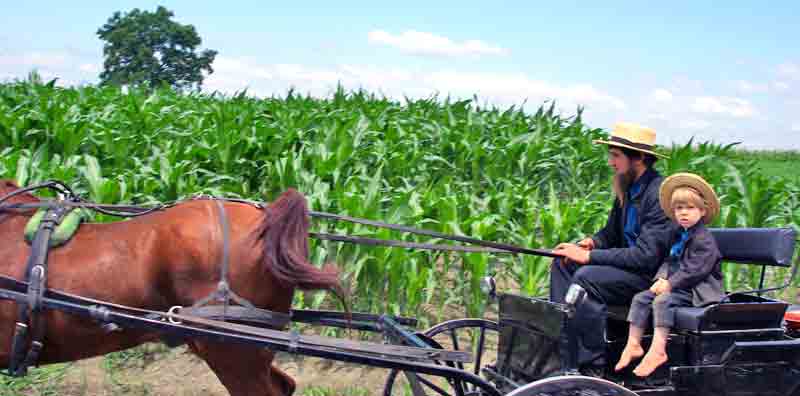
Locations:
column 723, row 72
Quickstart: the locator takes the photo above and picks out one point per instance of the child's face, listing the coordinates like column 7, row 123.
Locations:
column 687, row 214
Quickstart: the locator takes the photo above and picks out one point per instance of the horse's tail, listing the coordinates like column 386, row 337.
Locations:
column 284, row 234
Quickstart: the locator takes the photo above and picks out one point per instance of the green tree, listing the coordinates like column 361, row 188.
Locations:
column 149, row 47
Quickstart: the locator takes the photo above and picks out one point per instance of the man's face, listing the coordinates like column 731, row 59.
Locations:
column 620, row 163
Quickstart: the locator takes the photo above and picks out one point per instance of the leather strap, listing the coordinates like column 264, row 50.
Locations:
column 245, row 311
column 411, row 230
column 404, row 244
column 109, row 312
column 29, row 329
column 131, row 211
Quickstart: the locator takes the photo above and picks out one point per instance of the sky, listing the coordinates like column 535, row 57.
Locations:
column 723, row 72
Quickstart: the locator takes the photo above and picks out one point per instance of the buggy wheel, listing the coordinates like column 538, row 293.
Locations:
column 477, row 336
column 572, row 385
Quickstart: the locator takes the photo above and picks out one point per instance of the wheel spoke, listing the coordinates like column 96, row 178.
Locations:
column 437, row 337
column 413, row 381
column 454, row 340
column 432, row 385
column 479, row 351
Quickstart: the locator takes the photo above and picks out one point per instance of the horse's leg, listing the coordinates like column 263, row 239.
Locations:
column 244, row 370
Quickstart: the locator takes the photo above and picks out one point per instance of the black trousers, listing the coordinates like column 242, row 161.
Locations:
column 604, row 286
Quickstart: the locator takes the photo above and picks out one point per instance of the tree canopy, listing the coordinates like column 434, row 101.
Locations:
column 149, row 47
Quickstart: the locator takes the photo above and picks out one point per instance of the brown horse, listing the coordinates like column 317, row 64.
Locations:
column 166, row 258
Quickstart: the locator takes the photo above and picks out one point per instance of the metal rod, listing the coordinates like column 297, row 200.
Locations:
column 104, row 314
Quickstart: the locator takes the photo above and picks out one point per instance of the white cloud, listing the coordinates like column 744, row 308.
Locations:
column 35, row 59
column 658, row 117
column 749, row 87
column 789, row 69
column 694, row 124
column 514, row 88
column 502, row 89
column 734, row 107
column 780, row 86
column 661, row 95
column 239, row 67
column 796, row 127
column 425, row 43
column 90, row 68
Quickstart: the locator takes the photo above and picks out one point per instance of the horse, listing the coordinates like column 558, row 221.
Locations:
column 166, row 258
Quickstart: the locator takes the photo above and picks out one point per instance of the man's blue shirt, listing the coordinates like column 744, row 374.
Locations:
column 632, row 227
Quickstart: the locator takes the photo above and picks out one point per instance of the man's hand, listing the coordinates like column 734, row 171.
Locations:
column 572, row 253
column 587, row 243
column 661, row 286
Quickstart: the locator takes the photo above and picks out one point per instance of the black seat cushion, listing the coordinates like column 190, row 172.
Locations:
column 689, row 318
column 731, row 316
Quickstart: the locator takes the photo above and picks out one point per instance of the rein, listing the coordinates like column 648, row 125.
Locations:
column 134, row 211
column 28, row 333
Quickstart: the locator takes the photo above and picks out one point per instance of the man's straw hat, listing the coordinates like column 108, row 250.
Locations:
column 695, row 182
column 634, row 137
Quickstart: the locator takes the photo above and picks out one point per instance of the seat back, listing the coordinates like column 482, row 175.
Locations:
column 761, row 246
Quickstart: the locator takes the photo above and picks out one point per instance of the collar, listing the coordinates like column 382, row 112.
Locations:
column 644, row 180
column 693, row 229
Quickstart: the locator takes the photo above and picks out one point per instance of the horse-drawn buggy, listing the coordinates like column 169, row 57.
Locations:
column 218, row 275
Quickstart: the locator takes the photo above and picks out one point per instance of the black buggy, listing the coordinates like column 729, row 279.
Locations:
column 741, row 346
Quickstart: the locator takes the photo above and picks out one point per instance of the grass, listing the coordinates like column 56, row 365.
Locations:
column 43, row 381
column 771, row 163
column 327, row 391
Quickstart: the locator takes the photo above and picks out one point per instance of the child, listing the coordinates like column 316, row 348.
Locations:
column 690, row 276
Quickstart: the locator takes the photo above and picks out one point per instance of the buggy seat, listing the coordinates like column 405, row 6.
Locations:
column 757, row 246
column 739, row 311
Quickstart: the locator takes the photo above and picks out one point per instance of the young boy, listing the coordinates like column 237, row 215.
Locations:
column 690, row 276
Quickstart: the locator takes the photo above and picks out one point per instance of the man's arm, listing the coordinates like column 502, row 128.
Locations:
column 651, row 245
column 608, row 235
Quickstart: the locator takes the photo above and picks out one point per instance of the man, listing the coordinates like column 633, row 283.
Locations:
column 621, row 259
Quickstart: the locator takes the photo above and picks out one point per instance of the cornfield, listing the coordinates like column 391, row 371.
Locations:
column 533, row 179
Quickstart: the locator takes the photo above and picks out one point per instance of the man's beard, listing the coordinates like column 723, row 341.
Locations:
column 623, row 182
column 626, row 179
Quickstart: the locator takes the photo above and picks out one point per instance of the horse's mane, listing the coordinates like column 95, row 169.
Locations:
column 8, row 186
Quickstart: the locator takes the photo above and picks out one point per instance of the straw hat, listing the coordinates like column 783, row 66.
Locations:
column 634, row 137
column 695, row 182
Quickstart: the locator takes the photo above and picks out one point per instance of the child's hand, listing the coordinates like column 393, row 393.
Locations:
column 661, row 286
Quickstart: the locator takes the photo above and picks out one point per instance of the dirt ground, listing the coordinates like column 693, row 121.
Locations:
column 178, row 372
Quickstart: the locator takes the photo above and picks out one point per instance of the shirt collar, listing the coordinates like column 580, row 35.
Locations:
column 643, row 181
column 693, row 229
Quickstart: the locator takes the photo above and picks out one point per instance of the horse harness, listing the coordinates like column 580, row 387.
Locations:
column 29, row 315
column 28, row 339
column 29, row 328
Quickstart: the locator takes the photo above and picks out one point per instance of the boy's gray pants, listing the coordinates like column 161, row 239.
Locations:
column 662, row 307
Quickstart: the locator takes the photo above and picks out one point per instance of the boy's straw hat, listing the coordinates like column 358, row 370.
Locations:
column 695, row 182
column 634, row 137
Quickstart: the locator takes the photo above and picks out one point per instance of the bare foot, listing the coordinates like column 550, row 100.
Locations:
column 650, row 363
column 631, row 352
